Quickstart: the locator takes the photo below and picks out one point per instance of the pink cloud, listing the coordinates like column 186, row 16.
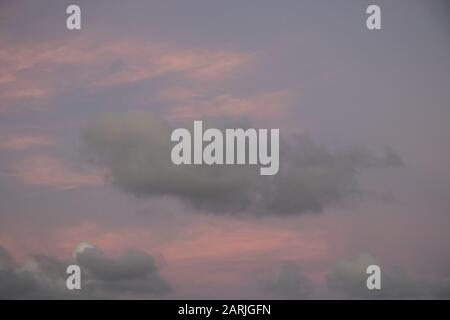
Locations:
column 209, row 252
column 52, row 172
column 32, row 70
column 143, row 62
column 25, row 142
column 261, row 106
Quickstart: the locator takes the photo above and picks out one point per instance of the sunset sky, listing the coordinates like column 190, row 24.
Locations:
column 86, row 175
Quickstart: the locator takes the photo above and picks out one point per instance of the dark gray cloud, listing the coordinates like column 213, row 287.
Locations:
column 135, row 147
column 290, row 283
column 348, row 280
column 43, row 277
column 133, row 273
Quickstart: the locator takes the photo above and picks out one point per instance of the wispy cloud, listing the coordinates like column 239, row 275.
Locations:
column 24, row 142
column 34, row 70
column 261, row 106
column 53, row 172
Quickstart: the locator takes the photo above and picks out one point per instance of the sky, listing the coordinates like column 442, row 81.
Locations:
column 85, row 170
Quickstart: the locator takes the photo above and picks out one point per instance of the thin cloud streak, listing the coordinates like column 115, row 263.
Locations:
column 52, row 172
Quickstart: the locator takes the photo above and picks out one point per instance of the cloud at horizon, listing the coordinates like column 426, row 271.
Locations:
column 134, row 274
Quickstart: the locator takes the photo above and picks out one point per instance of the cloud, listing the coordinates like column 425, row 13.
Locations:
column 133, row 273
column 348, row 280
column 32, row 71
column 52, row 172
column 135, row 148
column 19, row 143
column 291, row 283
column 43, row 277
column 40, row 278
column 265, row 105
